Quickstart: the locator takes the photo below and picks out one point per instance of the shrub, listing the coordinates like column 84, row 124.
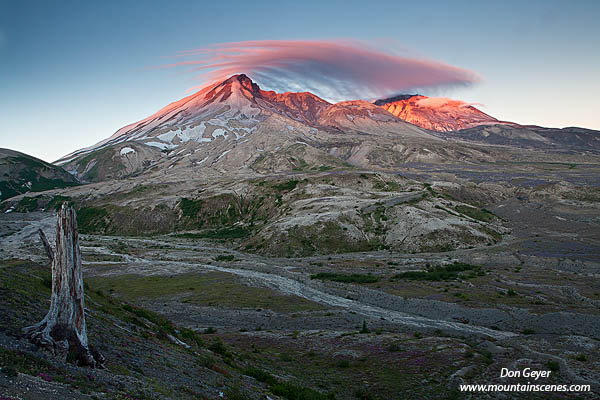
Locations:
column 364, row 328
column 553, row 366
column 286, row 186
column 191, row 335
column 92, row 219
column 441, row 273
column 476, row 213
column 260, row 375
column 217, row 346
column 228, row 257
column 10, row 371
column 346, row 278
column 294, row 392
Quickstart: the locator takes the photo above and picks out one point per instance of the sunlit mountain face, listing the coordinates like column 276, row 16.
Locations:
column 234, row 107
column 436, row 113
column 228, row 125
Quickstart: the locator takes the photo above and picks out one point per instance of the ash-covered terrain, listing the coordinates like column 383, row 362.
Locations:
column 241, row 243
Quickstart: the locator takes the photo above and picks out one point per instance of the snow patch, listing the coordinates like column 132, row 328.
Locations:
column 219, row 132
column 223, row 154
column 127, row 150
column 162, row 146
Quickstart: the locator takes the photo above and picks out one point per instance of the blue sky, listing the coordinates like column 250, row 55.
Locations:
column 73, row 72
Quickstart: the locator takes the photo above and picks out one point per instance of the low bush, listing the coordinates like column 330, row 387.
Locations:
column 346, row 278
column 442, row 273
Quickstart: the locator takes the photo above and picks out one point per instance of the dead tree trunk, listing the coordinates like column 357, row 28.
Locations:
column 63, row 329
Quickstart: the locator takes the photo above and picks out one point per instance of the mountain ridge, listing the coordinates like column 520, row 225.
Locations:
column 234, row 125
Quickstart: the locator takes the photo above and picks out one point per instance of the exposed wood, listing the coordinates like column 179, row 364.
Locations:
column 47, row 246
column 63, row 329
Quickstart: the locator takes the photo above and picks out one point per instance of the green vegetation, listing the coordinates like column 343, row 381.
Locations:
column 296, row 392
column 213, row 289
column 286, row 186
column 123, row 329
column 442, row 273
column 305, row 240
column 27, row 204
column 235, row 232
column 161, row 322
column 57, row 202
column 480, row 214
column 28, row 176
column 388, row 186
column 261, row 375
column 286, row 389
column 92, row 219
column 346, row 278
column 223, row 257
column 553, row 366
column 364, row 328
column 190, row 208
column 581, row 357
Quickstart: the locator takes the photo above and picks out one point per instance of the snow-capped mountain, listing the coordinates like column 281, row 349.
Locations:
column 235, row 127
column 207, row 126
column 436, row 113
column 230, row 109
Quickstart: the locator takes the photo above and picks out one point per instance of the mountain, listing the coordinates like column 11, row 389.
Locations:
column 22, row 173
column 567, row 140
column 233, row 126
column 436, row 113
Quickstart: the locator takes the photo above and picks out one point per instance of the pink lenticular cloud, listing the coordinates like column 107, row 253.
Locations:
column 441, row 102
column 334, row 69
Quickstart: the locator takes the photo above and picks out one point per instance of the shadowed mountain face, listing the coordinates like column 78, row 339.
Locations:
column 235, row 127
column 21, row 173
column 533, row 137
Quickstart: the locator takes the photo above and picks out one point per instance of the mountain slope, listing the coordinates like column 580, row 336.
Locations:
column 533, row 137
column 234, row 126
column 436, row 114
column 22, row 173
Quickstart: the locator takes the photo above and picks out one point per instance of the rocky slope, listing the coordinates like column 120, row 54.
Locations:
column 22, row 173
column 533, row 137
column 235, row 126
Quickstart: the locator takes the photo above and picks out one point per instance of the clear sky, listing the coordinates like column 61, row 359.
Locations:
column 73, row 72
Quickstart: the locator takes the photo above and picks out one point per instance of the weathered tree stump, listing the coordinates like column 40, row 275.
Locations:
column 63, row 330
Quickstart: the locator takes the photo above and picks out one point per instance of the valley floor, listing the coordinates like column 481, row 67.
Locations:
column 343, row 325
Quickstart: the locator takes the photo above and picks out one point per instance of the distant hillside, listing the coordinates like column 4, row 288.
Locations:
column 21, row 173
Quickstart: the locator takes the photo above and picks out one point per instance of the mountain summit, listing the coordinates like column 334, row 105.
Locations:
column 235, row 114
column 233, row 126
column 436, row 113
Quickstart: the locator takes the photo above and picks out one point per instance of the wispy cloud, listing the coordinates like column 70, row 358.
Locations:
column 334, row 69
column 442, row 102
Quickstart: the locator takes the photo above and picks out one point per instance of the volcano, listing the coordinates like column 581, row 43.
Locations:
column 234, row 126
column 437, row 114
